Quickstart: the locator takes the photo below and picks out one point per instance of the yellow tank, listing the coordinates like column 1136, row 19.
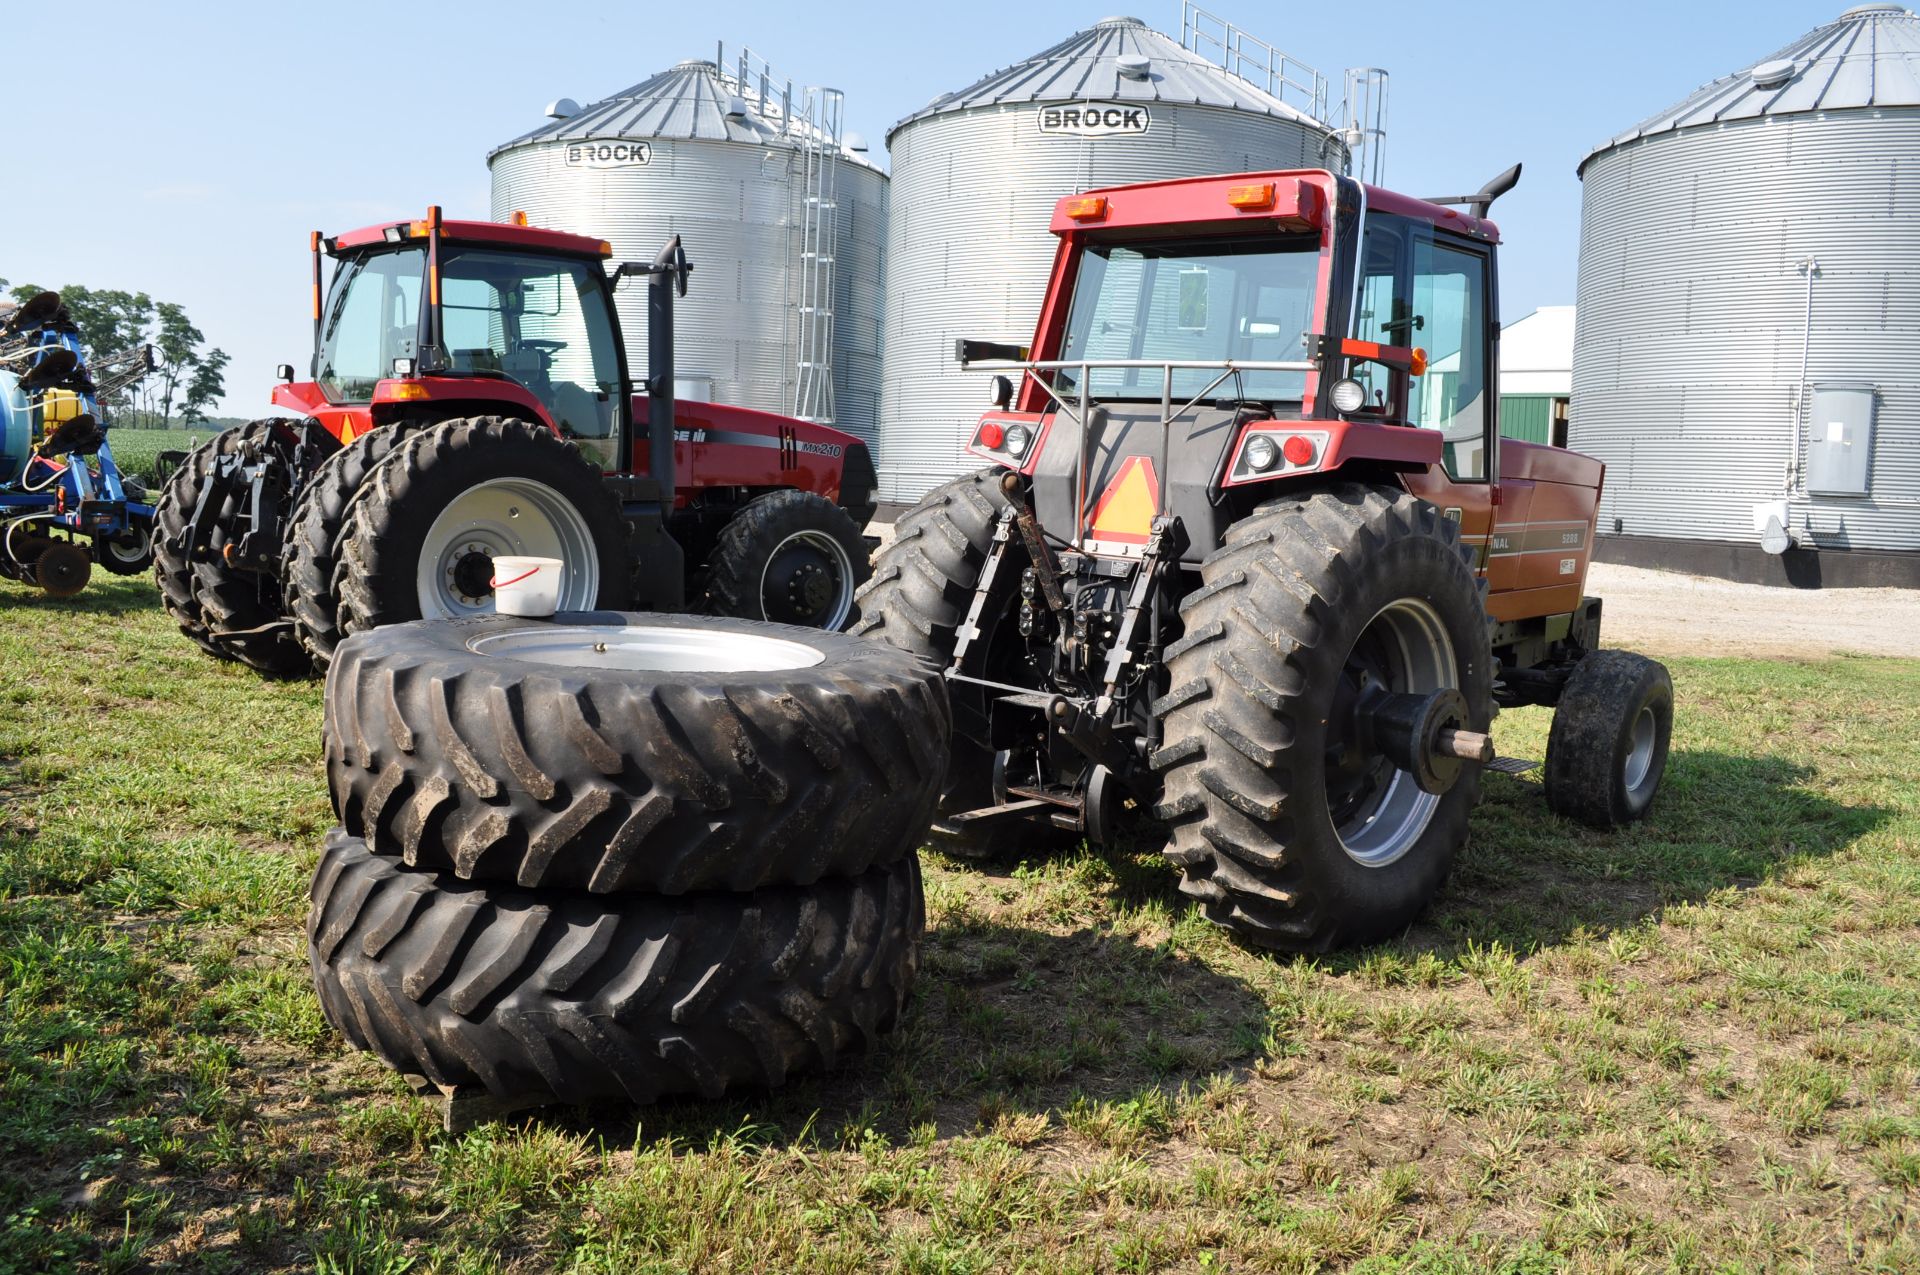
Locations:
column 56, row 408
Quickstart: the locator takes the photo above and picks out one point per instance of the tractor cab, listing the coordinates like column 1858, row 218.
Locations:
column 1216, row 335
column 528, row 310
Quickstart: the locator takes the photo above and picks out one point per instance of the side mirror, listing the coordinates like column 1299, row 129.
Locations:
column 1002, row 392
column 284, row 373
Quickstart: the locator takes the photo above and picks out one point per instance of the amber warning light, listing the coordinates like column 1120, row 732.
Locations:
column 1092, row 208
column 1251, row 198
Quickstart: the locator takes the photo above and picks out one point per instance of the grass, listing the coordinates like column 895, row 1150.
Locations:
column 1693, row 1046
column 135, row 450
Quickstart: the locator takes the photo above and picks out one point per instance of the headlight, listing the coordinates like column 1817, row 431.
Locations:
column 1018, row 439
column 1346, row 395
column 1261, row 454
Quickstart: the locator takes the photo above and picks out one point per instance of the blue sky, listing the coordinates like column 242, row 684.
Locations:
column 191, row 148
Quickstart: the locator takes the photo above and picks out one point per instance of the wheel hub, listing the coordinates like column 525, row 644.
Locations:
column 807, row 582
column 471, row 574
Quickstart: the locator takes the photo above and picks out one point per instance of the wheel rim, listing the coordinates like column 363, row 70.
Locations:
column 808, row 580
column 649, row 649
column 1378, row 810
column 1641, row 741
column 129, row 547
column 492, row 519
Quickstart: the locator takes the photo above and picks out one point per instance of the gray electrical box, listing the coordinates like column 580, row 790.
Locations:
column 1840, row 438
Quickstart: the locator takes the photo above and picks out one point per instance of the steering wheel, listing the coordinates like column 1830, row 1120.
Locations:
column 542, row 344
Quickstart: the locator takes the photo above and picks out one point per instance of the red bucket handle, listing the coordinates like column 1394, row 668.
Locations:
column 501, row 584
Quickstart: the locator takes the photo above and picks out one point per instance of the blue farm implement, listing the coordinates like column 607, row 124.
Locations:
column 63, row 503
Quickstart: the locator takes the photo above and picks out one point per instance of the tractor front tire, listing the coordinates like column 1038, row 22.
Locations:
column 923, row 583
column 1287, row 825
column 423, row 529
column 792, row 557
column 614, row 752
column 1607, row 747
column 575, row 998
column 313, row 537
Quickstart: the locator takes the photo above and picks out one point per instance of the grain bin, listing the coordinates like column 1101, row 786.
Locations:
column 1747, row 348
column 976, row 174
column 782, row 216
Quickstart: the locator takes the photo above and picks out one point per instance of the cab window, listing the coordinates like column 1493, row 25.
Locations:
column 1419, row 290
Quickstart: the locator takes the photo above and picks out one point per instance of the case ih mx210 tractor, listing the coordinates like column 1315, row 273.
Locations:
column 471, row 398
column 1250, row 554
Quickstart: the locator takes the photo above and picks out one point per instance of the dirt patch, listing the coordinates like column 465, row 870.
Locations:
column 1672, row 613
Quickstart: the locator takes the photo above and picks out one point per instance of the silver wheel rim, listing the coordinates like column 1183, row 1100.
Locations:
column 126, row 554
column 493, row 519
column 637, row 648
column 1639, row 763
column 778, row 597
column 1420, row 661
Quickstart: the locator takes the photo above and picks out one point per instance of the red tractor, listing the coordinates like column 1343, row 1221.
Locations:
column 1250, row 567
column 471, row 399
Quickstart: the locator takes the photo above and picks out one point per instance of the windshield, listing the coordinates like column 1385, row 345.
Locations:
column 544, row 323
column 1239, row 299
column 373, row 318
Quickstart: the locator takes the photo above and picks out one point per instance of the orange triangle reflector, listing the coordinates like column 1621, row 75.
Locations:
column 1126, row 508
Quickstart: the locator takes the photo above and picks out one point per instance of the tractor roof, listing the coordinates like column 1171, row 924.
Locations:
column 1297, row 200
column 505, row 234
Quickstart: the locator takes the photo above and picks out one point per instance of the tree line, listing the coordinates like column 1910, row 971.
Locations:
column 188, row 378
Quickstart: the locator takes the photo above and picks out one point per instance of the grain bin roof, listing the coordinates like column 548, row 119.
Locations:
column 1868, row 56
column 692, row 101
column 1087, row 66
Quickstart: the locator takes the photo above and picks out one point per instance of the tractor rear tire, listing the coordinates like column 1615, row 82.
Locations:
column 177, row 576
column 1607, row 748
column 423, row 529
column 791, row 557
column 244, row 610
column 1277, row 841
column 923, row 582
column 575, row 998
column 615, row 752
column 313, row 538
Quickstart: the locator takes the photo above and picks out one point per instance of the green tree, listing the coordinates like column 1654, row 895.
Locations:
column 175, row 343
column 207, row 384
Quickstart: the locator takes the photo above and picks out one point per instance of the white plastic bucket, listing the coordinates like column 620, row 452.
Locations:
column 526, row 586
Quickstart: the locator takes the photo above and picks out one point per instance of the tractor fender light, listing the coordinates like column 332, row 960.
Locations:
column 1298, row 449
column 1346, row 395
column 405, row 391
column 992, row 435
column 1092, row 208
column 1018, row 439
column 1262, row 455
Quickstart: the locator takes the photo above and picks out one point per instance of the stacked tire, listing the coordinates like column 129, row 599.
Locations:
column 622, row 856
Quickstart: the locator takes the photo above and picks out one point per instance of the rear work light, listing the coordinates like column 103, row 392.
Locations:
column 1251, row 198
column 1092, row 208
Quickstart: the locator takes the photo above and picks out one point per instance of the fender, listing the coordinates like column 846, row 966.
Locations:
column 721, row 445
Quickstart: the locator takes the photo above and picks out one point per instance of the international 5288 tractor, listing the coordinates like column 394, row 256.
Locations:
column 1250, row 554
column 471, row 399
